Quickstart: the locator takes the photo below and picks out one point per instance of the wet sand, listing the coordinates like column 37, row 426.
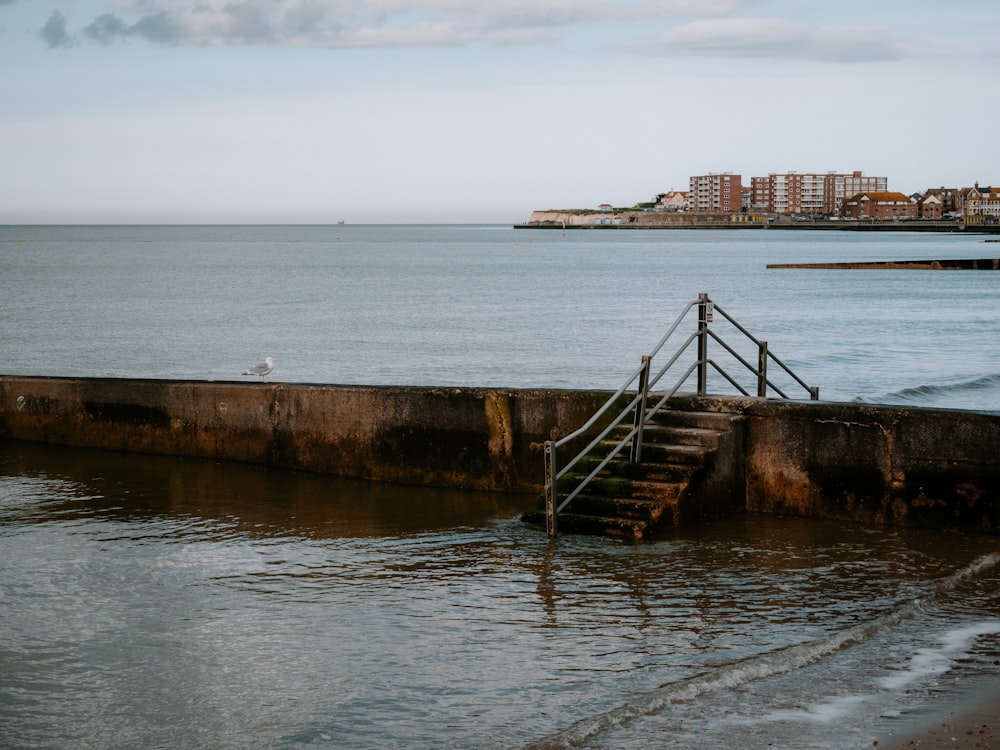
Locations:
column 972, row 725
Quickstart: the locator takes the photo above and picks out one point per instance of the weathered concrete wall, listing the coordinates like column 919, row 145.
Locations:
column 474, row 438
column 877, row 464
column 893, row 465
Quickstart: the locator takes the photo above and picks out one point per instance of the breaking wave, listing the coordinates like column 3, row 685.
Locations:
column 984, row 391
column 759, row 667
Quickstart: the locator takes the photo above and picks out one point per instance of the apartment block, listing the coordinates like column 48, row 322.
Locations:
column 839, row 187
column 809, row 193
column 716, row 193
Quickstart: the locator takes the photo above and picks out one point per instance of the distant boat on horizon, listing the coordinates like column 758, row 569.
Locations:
column 340, row 221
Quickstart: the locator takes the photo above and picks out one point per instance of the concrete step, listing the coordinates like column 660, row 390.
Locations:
column 675, row 454
column 610, row 485
column 671, row 434
column 709, row 420
column 623, row 470
column 629, row 500
column 627, row 529
column 636, row 508
column 678, row 435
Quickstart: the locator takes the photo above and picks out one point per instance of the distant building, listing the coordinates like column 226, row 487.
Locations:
column 947, row 198
column 789, row 193
column 675, row 200
column 930, row 206
column 722, row 193
column 809, row 193
column 981, row 202
column 838, row 187
column 879, row 205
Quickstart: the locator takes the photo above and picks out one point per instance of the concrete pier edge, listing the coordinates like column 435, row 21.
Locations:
column 892, row 465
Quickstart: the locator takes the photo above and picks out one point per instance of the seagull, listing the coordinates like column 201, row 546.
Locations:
column 263, row 369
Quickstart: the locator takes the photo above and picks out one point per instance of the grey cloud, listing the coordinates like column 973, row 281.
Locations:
column 106, row 29
column 159, row 28
column 54, row 33
column 783, row 40
column 348, row 23
column 239, row 24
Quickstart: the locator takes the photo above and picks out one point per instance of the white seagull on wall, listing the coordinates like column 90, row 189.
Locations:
column 263, row 369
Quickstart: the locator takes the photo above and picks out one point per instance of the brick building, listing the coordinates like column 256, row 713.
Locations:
column 712, row 193
column 931, row 206
column 878, row 205
column 838, row 187
column 809, row 193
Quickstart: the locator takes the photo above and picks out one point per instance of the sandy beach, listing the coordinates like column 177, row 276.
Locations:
column 974, row 724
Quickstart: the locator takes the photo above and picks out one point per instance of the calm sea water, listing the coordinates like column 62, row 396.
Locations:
column 162, row 602
column 490, row 305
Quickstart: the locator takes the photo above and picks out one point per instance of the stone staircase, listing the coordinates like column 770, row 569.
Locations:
column 677, row 481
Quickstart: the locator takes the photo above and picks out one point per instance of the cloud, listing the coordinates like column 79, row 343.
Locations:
column 783, row 40
column 54, row 33
column 375, row 23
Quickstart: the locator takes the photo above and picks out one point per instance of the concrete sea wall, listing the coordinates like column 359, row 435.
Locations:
column 875, row 464
column 892, row 465
column 454, row 437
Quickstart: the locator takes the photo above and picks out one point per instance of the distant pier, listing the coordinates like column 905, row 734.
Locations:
column 950, row 264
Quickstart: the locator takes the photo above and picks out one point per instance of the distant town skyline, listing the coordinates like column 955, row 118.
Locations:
column 124, row 111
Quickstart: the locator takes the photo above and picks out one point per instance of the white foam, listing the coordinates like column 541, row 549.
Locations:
column 821, row 713
column 931, row 662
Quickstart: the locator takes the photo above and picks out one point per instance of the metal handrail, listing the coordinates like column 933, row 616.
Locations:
column 638, row 404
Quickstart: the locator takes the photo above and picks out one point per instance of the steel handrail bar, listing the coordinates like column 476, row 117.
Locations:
column 620, row 445
column 727, row 376
column 732, row 351
column 597, row 469
column 750, row 367
column 743, row 362
column 738, row 327
column 663, row 340
column 663, row 370
column 607, row 404
column 670, row 394
column 785, row 367
column 597, row 440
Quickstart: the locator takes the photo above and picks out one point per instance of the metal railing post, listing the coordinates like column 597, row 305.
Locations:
column 551, row 491
column 703, row 305
column 640, row 411
column 762, row 370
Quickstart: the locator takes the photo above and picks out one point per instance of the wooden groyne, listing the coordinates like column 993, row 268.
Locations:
column 890, row 465
column 948, row 264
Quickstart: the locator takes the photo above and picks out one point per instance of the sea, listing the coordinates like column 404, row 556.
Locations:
column 166, row 602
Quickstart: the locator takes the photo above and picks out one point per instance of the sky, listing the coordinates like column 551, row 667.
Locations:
column 454, row 111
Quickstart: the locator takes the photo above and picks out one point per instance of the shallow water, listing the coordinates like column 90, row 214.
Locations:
column 162, row 602
column 482, row 306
